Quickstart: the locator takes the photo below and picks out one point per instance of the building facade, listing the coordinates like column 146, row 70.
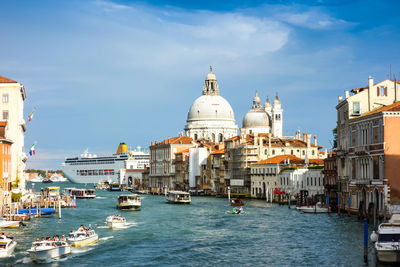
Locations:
column 12, row 110
column 331, row 179
column 5, row 165
column 356, row 103
column 162, row 158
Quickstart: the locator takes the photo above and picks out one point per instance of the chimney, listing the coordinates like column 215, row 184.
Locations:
column 340, row 99
column 315, row 140
column 304, row 137
column 370, row 92
column 308, row 140
column 347, row 94
column 180, row 134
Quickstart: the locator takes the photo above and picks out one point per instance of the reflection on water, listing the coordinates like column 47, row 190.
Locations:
column 202, row 233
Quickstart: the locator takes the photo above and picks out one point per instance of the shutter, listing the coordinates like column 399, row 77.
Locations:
column 385, row 91
column 377, row 91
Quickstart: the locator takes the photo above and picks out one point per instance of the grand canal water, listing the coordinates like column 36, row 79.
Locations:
column 202, row 233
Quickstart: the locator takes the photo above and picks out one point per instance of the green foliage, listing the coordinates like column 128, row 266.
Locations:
column 334, row 131
column 15, row 197
column 315, row 167
column 290, row 168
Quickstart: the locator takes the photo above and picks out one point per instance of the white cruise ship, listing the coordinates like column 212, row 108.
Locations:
column 92, row 169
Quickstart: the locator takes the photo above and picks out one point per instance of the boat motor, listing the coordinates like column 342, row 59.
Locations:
column 374, row 237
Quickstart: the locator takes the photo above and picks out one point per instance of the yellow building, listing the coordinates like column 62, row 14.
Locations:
column 11, row 110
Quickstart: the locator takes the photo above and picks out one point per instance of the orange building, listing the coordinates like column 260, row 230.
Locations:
column 374, row 157
column 5, row 164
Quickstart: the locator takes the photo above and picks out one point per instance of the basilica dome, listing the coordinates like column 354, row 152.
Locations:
column 211, row 116
column 210, row 107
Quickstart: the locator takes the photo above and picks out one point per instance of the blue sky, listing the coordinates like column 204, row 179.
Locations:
column 102, row 72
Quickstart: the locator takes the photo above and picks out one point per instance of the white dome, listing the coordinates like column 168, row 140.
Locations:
column 210, row 108
column 211, row 76
column 256, row 118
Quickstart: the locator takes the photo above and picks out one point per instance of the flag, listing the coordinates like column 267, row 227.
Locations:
column 30, row 117
column 32, row 150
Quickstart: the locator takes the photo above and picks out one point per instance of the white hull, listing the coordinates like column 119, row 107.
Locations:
column 388, row 255
column 7, row 252
column 53, row 253
column 9, row 224
column 128, row 206
column 178, row 201
column 115, row 224
column 84, row 242
column 313, row 209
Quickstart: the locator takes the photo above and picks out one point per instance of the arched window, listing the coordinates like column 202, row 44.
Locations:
column 213, row 137
column 220, row 138
column 195, row 136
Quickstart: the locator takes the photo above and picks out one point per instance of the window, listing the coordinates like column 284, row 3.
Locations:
column 291, row 152
column 204, row 179
column 5, row 114
column 381, row 91
column 356, row 108
column 5, row 98
column 273, row 151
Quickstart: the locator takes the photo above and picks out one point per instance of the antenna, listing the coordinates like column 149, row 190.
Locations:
column 390, row 71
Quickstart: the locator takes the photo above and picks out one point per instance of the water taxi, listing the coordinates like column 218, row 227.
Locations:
column 80, row 192
column 317, row 208
column 387, row 240
column 129, row 202
column 9, row 224
column 116, row 221
column 53, row 191
column 236, row 202
column 178, row 197
column 7, row 246
column 46, row 250
column 114, row 187
column 82, row 238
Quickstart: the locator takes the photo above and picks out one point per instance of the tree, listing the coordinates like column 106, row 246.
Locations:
column 334, row 131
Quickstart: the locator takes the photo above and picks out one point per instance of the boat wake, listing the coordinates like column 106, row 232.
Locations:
column 82, row 249
column 102, row 226
column 106, row 238
column 28, row 260
column 101, row 197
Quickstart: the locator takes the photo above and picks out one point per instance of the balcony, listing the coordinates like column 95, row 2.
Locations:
column 360, row 182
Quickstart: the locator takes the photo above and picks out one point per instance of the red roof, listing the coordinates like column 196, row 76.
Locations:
column 6, row 80
column 219, row 151
column 393, row 107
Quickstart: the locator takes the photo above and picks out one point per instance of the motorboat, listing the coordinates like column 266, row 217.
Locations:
column 53, row 191
column 129, row 202
column 47, row 180
column 7, row 246
column 114, row 187
column 387, row 240
column 46, row 250
column 17, row 217
column 9, row 224
column 178, row 197
column 82, row 238
column 236, row 202
column 41, row 211
column 80, row 193
column 317, row 208
column 116, row 221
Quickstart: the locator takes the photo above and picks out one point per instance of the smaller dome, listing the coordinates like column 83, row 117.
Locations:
column 256, row 119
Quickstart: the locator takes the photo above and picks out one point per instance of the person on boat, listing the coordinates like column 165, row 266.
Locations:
column 81, row 228
column 89, row 227
column 63, row 239
column 3, row 236
column 37, row 239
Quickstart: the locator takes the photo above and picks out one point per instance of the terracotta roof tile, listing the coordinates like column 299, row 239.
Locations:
column 6, row 80
column 219, row 151
column 393, row 107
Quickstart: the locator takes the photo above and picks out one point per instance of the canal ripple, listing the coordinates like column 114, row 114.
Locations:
column 203, row 233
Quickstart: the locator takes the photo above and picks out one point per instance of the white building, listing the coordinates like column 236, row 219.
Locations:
column 211, row 116
column 294, row 180
column 12, row 110
column 263, row 120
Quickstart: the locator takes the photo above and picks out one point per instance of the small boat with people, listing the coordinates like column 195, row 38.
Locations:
column 387, row 241
column 83, row 237
column 129, row 202
column 50, row 248
column 116, row 221
column 7, row 246
column 178, row 197
column 237, row 210
column 80, row 193
column 236, row 202
column 316, row 208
